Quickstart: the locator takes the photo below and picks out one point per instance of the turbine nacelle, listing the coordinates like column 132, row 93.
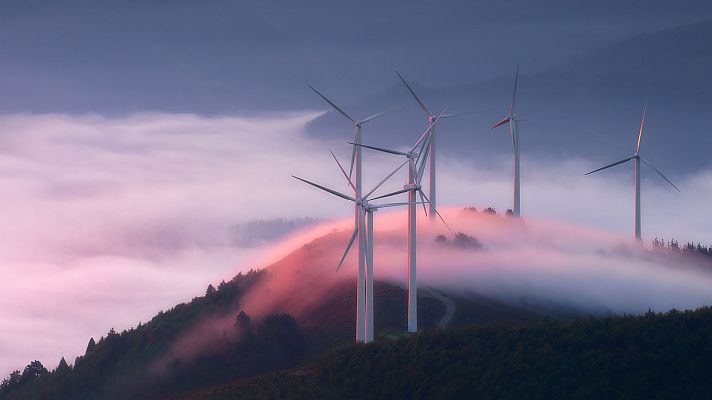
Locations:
column 501, row 122
column 366, row 205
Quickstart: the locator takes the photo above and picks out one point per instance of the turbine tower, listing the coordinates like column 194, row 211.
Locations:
column 416, row 167
column 637, row 158
column 513, row 121
column 356, row 162
column 364, row 231
column 431, row 117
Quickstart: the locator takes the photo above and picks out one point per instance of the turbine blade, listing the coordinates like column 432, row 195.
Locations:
column 425, row 153
column 326, row 189
column 343, row 171
column 427, row 131
column 436, row 211
column 514, row 94
column 393, row 204
column 642, row 123
column 455, row 115
column 353, row 159
column 422, row 105
column 385, row 179
column 396, row 152
column 422, row 201
column 392, row 194
column 659, row 173
column 342, row 112
column 372, row 117
column 501, row 122
column 611, row 165
column 348, row 247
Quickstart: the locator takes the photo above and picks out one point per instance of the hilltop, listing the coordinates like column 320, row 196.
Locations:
column 518, row 282
column 211, row 341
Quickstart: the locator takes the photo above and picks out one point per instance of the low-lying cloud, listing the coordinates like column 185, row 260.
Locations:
column 539, row 262
column 105, row 221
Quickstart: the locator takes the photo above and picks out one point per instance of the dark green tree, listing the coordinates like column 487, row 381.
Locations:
column 90, row 346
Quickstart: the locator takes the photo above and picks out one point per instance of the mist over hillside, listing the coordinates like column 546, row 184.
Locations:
column 117, row 218
column 500, row 272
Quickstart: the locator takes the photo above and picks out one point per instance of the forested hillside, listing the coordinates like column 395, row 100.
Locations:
column 139, row 363
column 210, row 342
column 654, row 356
column 155, row 360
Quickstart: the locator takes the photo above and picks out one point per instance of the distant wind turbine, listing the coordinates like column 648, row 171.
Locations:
column 431, row 150
column 364, row 231
column 416, row 167
column 513, row 121
column 637, row 158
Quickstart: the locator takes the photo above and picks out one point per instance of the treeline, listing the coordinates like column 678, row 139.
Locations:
column 488, row 210
column 673, row 246
column 653, row 356
column 137, row 363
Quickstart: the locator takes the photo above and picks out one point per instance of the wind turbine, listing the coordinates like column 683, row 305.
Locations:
column 431, row 118
column 416, row 168
column 513, row 121
column 364, row 231
column 356, row 162
column 637, row 158
column 358, row 124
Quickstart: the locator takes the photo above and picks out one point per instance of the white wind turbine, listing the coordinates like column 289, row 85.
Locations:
column 416, row 168
column 364, row 231
column 637, row 158
column 358, row 124
column 513, row 121
column 431, row 150
column 356, row 163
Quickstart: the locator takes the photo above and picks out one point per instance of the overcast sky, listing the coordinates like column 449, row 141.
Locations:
column 227, row 56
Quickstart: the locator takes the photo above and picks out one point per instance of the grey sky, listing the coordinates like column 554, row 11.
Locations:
column 227, row 56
